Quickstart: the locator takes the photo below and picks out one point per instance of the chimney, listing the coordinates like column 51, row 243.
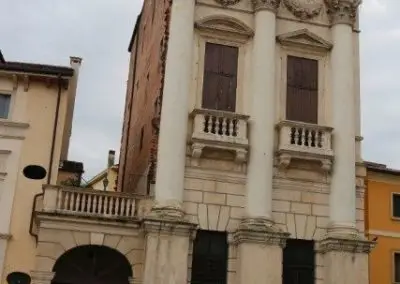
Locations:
column 111, row 158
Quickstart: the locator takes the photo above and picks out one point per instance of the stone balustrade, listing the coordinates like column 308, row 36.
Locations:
column 219, row 130
column 305, row 141
column 93, row 203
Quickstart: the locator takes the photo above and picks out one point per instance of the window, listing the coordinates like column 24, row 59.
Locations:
column 220, row 77
column 302, row 90
column 210, row 258
column 298, row 262
column 396, row 205
column 141, row 138
column 396, row 267
column 4, row 105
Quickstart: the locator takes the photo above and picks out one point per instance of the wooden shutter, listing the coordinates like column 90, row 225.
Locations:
column 299, row 262
column 396, row 267
column 210, row 258
column 302, row 90
column 220, row 77
column 396, row 205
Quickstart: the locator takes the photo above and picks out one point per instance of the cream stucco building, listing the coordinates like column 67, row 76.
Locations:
column 245, row 117
column 36, row 102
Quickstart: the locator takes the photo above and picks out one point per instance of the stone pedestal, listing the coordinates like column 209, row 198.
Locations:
column 259, row 246
column 345, row 259
column 167, row 250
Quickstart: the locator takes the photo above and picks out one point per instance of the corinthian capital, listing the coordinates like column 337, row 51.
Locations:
column 342, row 11
column 271, row 5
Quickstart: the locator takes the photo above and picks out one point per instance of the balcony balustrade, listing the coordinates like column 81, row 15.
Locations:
column 304, row 141
column 219, row 130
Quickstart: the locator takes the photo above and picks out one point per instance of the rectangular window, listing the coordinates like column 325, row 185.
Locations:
column 4, row 105
column 396, row 205
column 302, row 90
column 299, row 262
column 220, row 77
column 396, row 267
column 210, row 258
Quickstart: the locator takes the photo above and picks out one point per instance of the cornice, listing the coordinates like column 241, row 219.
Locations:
column 226, row 3
column 356, row 245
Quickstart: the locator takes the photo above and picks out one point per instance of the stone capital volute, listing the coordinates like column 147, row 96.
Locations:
column 342, row 11
column 271, row 5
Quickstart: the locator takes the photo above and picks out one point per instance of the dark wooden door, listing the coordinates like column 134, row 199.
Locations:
column 299, row 262
column 210, row 258
column 302, row 90
column 220, row 77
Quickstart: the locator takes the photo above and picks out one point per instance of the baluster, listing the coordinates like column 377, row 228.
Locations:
column 117, row 200
column 60, row 197
column 297, row 137
column 231, row 128
column 206, row 122
column 78, row 202
column 225, row 121
column 84, row 203
column 89, row 203
column 128, row 207
column 112, row 206
column 100, row 206
column 218, row 126
column 123, row 207
column 310, row 139
column 71, row 201
column 105, row 204
column 322, row 140
column 133, row 205
column 95, row 204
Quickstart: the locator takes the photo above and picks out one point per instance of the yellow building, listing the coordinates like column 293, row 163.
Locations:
column 36, row 109
column 382, row 204
column 107, row 179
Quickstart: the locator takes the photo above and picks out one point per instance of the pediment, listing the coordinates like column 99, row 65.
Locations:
column 226, row 25
column 304, row 38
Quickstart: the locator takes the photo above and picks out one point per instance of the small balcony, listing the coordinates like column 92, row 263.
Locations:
column 303, row 141
column 221, row 130
column 89, row 203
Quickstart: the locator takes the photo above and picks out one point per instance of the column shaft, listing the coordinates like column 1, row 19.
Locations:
column 343, row 187
column 174, row 113
column 260, row 167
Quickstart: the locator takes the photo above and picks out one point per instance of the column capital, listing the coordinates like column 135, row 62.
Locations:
column 257, row 230
column 169, row 227
column 271, row 5
column 352, row 245
column 168, row 210
column 342, row 11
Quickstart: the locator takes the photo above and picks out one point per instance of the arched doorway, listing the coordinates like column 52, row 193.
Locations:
column 92, row 264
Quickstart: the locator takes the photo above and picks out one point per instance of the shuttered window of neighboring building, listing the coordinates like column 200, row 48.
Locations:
column 210, row 258
column 302, row 90
column 396, row 267
column 220, row 77
column 396, row 205
column 299, row 262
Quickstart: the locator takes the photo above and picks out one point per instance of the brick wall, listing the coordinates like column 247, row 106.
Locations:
column 142, row 105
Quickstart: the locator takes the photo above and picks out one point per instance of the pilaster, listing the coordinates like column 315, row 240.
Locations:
column 167, row 250
column 259, row 240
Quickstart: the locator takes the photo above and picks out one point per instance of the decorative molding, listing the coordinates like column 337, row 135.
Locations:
column 169, row 227
column 225, row 25
column 354, row 245
column 42, row 277
column 342, row 11
column 305, row 39
column 304, row 9
column 226, row 3
column 15, row 81
column 5, row 236
column 271, row 5
column 26, row 83
column 259, row 230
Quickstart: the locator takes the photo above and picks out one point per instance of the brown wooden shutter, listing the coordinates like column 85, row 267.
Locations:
column 302, row 90
column 220, row 77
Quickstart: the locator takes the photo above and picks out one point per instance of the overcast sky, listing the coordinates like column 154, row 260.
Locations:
column 49, row 31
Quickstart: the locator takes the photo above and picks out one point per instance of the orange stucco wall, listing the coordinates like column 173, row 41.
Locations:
column 380, row 224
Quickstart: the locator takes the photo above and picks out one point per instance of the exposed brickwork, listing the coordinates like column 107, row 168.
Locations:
column 144, row 92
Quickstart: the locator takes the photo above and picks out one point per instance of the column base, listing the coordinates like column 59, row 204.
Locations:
column 345, row 253
column 167, row 250
column 172, row 210
column 259, row 239
column 42, row 277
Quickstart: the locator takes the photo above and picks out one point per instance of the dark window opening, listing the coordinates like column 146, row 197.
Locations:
column 302, row 90
column 220, row 77
column 299, row 262
column 396, row 205
column 210, row 258
column 396, row 267
column 141, row 138
column 4, row 105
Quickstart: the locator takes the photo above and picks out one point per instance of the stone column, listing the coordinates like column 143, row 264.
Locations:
column 174, row 113
column 257, row 237
column 345, row 250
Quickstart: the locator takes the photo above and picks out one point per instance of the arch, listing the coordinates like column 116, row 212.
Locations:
column 92, row 264
column 226, row 25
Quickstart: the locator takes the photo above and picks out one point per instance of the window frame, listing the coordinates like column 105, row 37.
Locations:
column 10, row 104
column 394, row 266
column 323, row 101
column 392, row 206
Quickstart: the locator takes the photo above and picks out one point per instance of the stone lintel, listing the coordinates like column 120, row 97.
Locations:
column 258, row 230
